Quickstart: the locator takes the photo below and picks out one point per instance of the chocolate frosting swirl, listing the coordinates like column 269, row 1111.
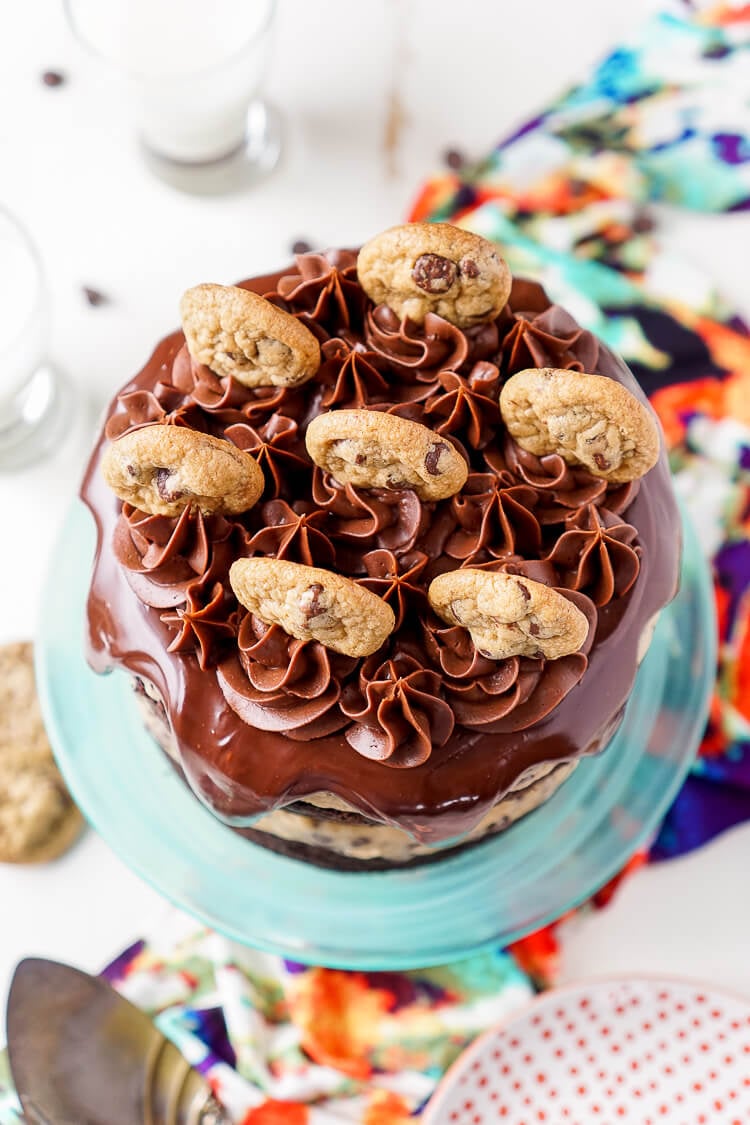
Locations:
column 398, row 714
column 278, row 683
column 548, row 338
column 163, row 556
column 268, row 720
column 598, row 554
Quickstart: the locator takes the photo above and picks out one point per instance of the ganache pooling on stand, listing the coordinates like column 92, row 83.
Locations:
column 428, row 733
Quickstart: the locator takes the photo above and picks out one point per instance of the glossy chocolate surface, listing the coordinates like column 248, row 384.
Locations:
column 426, row 734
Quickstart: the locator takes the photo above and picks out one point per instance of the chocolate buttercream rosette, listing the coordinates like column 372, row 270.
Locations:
column 366, row 762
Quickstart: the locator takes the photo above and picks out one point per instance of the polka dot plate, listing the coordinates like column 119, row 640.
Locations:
column 638, row 1051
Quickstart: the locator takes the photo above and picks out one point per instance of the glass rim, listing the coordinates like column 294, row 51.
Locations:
column 40, row 294
column 142, row 76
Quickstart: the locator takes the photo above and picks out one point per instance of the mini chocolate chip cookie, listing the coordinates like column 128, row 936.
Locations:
column 435, row 267
column 507, row 615
column 38, row 820
column 588, row 420
column 164, row 469
column 314, row 604
column 371, row 449
column 236, row 332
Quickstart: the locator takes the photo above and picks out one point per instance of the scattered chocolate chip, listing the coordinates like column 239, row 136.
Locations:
column 131, row 470
column 643, row 223
column 468, row 267
column 433, row 273
column 454, row 159
column 717, row 51
column 310, row 601
column 360, row 459
column 432, row 457
column 53, row 78
column 601, row 462
column 94, row 296
column 524, row 590
column 301, row 246
column 533, row 628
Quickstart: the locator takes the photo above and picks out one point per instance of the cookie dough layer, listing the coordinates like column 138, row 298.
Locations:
column 326, row 831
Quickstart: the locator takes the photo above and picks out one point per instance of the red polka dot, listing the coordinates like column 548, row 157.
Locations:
column 536, row 1020
column 621, row 1111
column 646, row 1026
column 668, row 1070
column 528, row 1058
column 700, row 998
column 718, row 1104
column 559, row 1052
column 581, row 1090
column 546, row 1034
column 604, row 1031
column 572, row 1070
column 517, row 1085
column 541, row 1077
column 697, row 1086
column 716, row 1014
column 581, row 1043
column 483, row 1080
column 663, row 1110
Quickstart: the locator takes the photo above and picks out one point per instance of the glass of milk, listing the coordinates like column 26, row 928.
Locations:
column 194, row 69
column 35, row 400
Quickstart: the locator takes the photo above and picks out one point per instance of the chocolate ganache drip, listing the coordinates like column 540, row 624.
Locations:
column 269, row 719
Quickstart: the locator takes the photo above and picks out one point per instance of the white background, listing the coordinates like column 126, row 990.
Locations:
column 461, row 75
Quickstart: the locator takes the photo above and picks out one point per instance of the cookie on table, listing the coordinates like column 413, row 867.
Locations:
column 38, row 819
column 589, row 420
column 163, row 469
column 238, row 333
column 435, row 267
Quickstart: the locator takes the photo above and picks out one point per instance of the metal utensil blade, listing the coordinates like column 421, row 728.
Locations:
column 80, row 1054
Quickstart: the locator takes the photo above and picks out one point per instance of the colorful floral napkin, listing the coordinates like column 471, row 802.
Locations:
column 571, row 197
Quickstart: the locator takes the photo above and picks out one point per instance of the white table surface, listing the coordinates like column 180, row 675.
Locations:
column 462, row 75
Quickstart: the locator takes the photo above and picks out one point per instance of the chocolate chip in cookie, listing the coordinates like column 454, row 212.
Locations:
column 38, row 819
column 435, row 267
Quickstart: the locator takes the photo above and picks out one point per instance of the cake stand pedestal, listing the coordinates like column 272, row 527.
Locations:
column 492, row 894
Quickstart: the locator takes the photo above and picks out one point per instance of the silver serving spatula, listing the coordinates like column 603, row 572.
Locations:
column 82, row 1055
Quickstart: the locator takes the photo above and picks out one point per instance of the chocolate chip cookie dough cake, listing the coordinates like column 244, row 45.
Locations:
column 381, row 541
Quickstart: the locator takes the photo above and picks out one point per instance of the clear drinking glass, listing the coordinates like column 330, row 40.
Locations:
column 194, row 69
column 35, row 399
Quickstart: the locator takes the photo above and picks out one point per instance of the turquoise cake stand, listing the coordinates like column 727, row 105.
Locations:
column 491, row 894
